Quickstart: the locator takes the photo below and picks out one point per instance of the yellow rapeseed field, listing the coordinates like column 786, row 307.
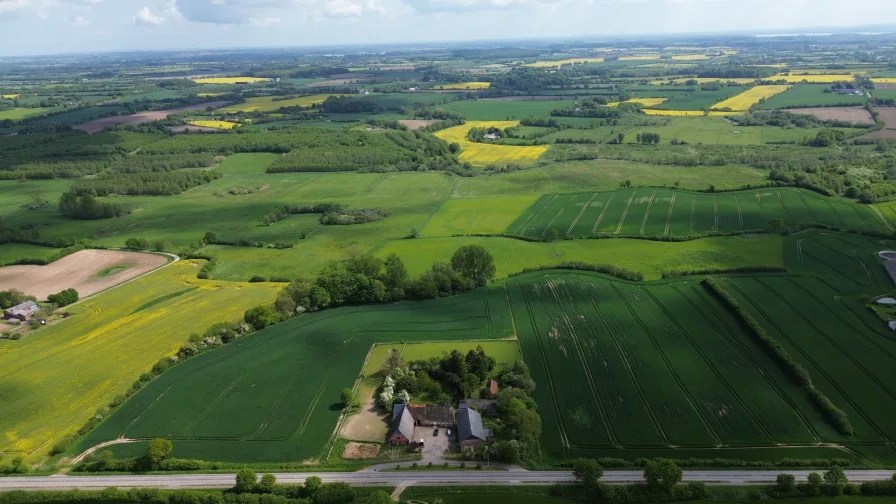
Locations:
column 54, row 380
column 267, row 103
column 465, row 85
column 647, row 102
column 10, row 96
column 482, row 154
column 813, row 78
column 229, row 80
column 209, row 95
column 750, row 97
column 215, row 124
column 570, row 61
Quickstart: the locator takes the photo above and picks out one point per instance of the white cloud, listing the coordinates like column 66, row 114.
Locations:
column 265, row 21
column 351, row 8
column 470, row 5
column 77, row 20
column 146, row 17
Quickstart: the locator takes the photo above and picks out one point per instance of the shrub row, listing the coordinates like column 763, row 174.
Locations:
column 699, row 463
column 606, row 269
column 718, row 271
column 797, row 372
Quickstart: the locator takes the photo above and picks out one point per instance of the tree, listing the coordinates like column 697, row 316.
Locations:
column 245, row 480
column 136, row 244
column 267, row 483
column 587, row 471
column 347, row 397
column 157, row 450
column 64, row 298
column 662, row 474
column 785, row 484
column 620, row 138
column 334, row 493
column 775, row 224
column 260, row 317
column 836, row 478
column 12, row 297
column 313, row 484
column 378, row 497
column 396, row 275
column 813, row 486
column 475, row 263
column 394, row 360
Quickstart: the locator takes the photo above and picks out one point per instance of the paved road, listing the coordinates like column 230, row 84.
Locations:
column 470, row 477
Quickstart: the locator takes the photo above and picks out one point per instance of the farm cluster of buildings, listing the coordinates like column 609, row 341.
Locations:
column 21, row 312
column 466, row 420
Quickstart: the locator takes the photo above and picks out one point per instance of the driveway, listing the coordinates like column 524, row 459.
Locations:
column 434, row 447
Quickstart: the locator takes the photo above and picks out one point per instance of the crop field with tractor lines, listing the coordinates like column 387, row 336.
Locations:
column 668, row 212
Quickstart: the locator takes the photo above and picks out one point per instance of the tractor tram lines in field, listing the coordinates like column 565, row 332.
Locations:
column 673, row 212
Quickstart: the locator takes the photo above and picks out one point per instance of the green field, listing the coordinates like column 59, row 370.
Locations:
column 649, row 257
column 809, row 95
column 476, row 215
column 501, row 110
column 667, row 212
column 504, row 352
column 17, row 114
column 82, row 115
column 84, row 361
column 12, row 252
column 699, row 100
column 247, row 403
column 718, row 131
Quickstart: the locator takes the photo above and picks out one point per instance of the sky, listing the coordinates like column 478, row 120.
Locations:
column 62, row 26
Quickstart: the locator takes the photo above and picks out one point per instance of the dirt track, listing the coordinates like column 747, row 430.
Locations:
column 416, row 123
column 143, row 117
column 80, row 271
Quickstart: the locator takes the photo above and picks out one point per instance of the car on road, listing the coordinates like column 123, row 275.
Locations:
column 435, row 433
column 449, row 433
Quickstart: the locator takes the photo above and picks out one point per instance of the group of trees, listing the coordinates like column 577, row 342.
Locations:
column 84, row 206
column 12, row 297
column 148, row 183
column 647, row 138
column 64, row 298
column 834, row 483
column 368, row 279
column 661, row 476
column 443, row 380
column 314, row 491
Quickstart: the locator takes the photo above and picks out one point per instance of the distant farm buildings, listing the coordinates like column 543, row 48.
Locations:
column 21, row 312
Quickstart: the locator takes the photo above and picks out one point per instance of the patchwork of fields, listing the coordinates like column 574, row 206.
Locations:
column 52, row 383
column 623, row 365
column 668, row 212
column 245, row 402
column 482, row 154
column 268, row 104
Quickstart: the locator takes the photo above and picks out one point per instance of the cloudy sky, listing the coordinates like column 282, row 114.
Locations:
column 51, row 26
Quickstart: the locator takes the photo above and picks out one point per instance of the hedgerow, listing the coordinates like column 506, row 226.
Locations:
column 795, row 370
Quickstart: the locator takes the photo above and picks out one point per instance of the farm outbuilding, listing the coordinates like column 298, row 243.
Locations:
column 22, row 311
column 402, row 431
column 406, row 416
column 470, row 432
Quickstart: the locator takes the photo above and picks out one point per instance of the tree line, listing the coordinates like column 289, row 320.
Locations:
column 149, row 184
column 85, row 206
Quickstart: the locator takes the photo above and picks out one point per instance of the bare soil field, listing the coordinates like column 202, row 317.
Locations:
column 877, row 135
column 369, row 425
column 360, row 451
column 87, row 271
column 855, row 115
column 143, row 117
column 885, row 85
column 189, row 127
column 415, row 124
column 888, row 116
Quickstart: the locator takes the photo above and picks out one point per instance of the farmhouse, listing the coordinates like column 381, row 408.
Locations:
column 470, row 432
column 22, row 312
column 407, row 416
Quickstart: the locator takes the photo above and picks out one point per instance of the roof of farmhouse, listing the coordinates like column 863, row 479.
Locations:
column 469, row 425
column 26, row 308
